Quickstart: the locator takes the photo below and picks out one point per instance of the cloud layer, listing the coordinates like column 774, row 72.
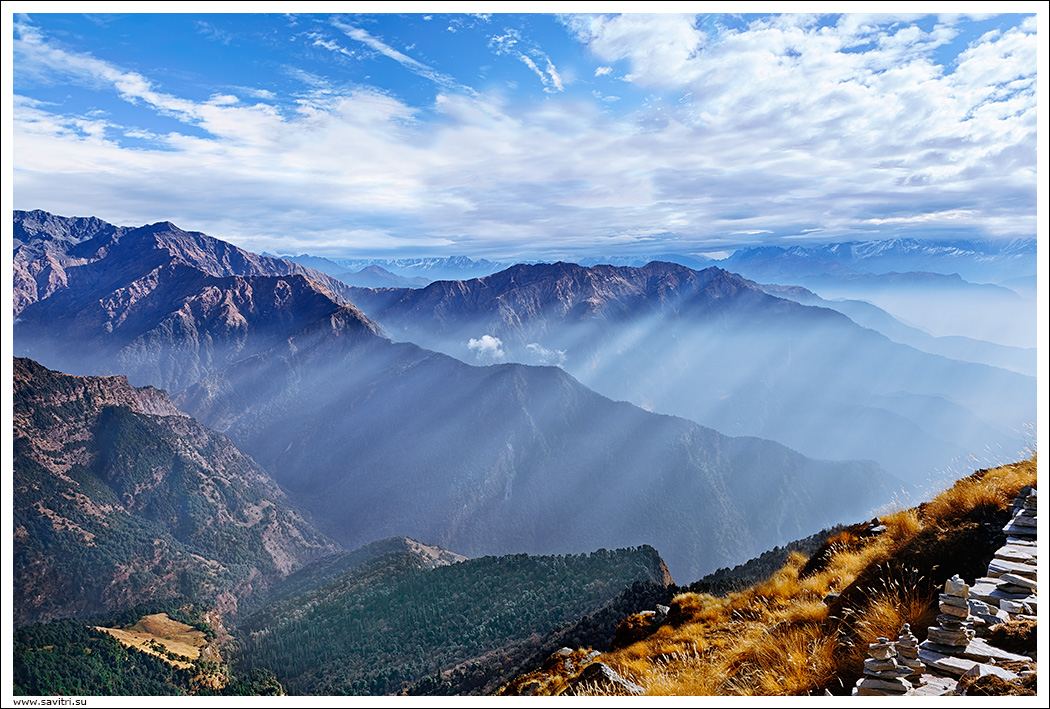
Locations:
column 780, row 128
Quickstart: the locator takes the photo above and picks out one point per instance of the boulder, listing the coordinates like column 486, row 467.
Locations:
column 600, row 678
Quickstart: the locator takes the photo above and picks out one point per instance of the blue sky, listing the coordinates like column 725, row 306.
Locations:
column 529, row 135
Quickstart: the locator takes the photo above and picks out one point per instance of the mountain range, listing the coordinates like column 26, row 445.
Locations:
column 977, row 261
column 714, row 347
column 372, row 439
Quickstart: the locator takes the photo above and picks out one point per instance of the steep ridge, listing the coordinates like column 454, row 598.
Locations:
column 712, row 347
column 119, row 498
column 377, row 439
column 76, row 241
column 329, row 568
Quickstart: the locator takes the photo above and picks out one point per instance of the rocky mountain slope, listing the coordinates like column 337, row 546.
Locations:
column 47, row 244
column 119, row 497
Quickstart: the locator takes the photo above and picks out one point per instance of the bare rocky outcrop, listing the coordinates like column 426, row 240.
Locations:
column 120, row 498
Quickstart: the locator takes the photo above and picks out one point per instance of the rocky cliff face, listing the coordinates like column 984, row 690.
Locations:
column 47, row 246
column 120, row 498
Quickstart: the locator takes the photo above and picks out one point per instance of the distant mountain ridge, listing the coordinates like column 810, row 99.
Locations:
column 713, row 347
column 979, row 261
column 370, row 276
column 1016, row 359
column 944, row 288
column 436, row 268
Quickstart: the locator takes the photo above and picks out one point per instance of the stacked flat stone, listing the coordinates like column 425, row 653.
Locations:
column 953, row 629
column 983, row 615
column 908, row 655
column 1023, row 523
column 1011, row 583
column 883, row 676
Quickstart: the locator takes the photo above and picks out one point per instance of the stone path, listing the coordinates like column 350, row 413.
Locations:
column 1007, row 592
column 956, row 646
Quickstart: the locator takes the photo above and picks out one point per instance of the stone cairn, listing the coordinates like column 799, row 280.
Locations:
column 954, row 630
column 883, row 676
column 908, row 655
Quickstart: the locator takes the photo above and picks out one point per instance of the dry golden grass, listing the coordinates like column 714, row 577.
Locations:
column 775, row 638
column 996, row 488
column 178, row 638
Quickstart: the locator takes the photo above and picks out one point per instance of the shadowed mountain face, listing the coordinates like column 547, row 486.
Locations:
column 376, row 439
column 508, row 458
column 120, row 498
column 713, row 347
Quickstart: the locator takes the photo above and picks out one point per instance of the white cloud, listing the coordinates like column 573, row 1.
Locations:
column 603, row 70
column 414, row 65
column 783, row 133
column 546, row 356
column 508, row 42
column 487, row 349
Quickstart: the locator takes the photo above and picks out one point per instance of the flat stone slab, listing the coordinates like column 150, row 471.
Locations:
column 992, row 595
column 1020, row 530
column 1018, row 555
column 998, row 567
column 1018, row 580
column 945, row 663
column 934, row 686
column 1027, row 606
column 894, row 686
column 980, row 650
column 985, row 670
column 1018, row 542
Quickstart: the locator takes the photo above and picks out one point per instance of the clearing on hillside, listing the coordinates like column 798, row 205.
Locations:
column 180, row 639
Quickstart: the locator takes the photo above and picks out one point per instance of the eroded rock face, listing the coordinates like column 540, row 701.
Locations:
column 121, row 498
